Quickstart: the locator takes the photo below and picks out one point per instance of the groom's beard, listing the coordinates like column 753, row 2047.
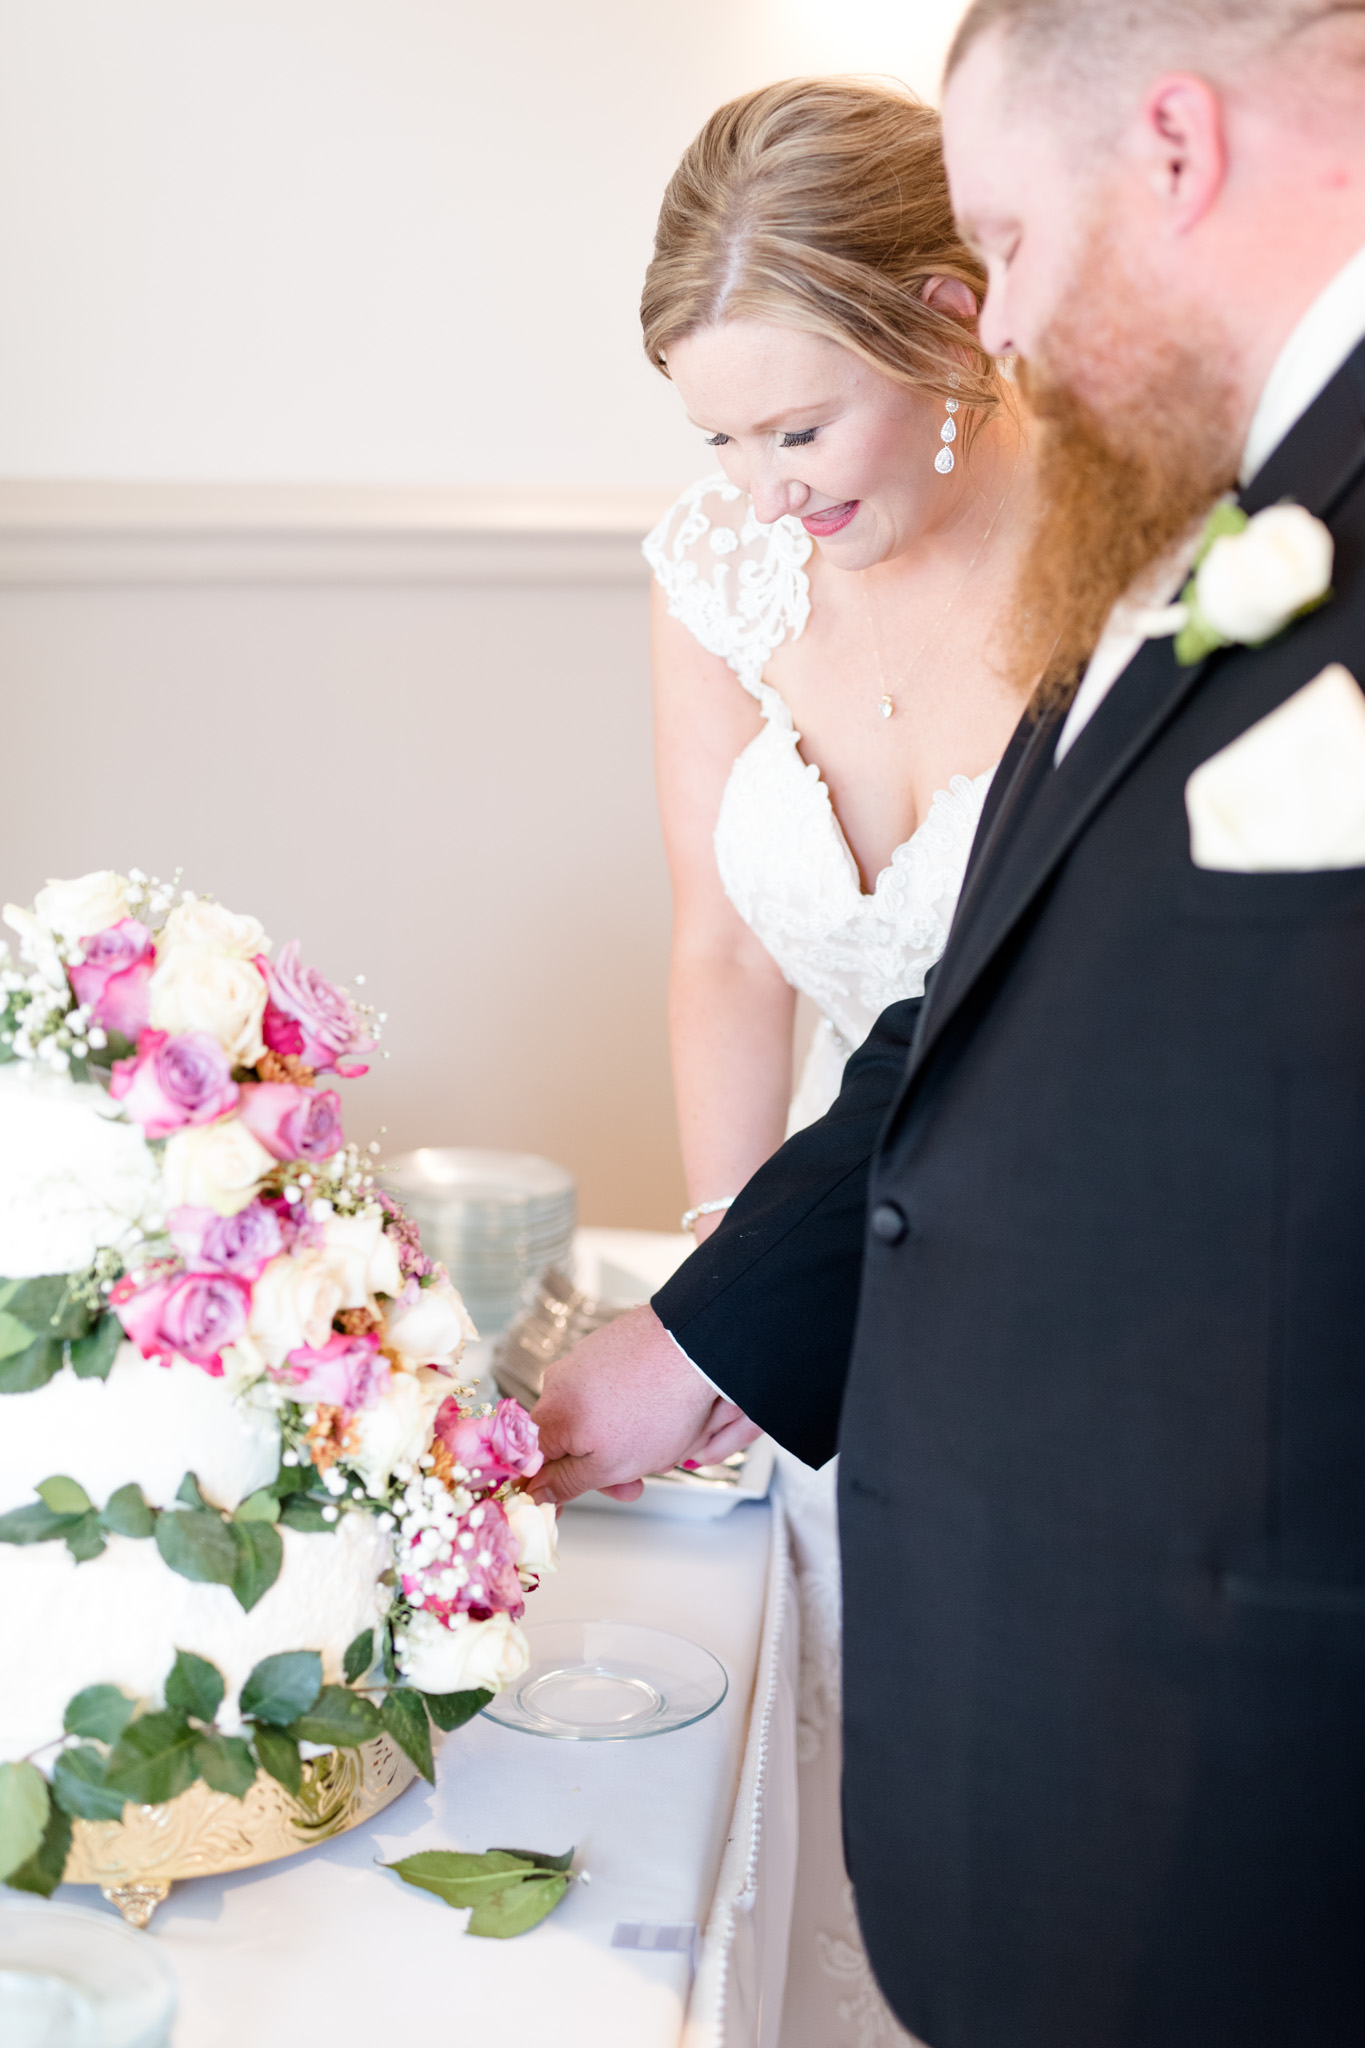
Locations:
column 1119, row 477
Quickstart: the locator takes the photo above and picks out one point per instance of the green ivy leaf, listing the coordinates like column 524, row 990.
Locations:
column 34, row 1523
column 541, row 1860
column 42, row 1873
column 450, row 1710
column 301, row 1512
column 23, row 1814
column 283, row 1687
column 28, row 1370
column 338, row 1716
column 93, row 1354
column 520, row 1907
column 188, row 1492
column 460, row 1879
column 359, row 1656
column 260, row 1506
column 404, row 1717
column 153, row 1759
column 199, row 1544
column 101, row 1711
column 226, row 1764
column 126, row 1513
column 278, row 1754
column 194, row 1686
column 79, row 1787
column 64, row 1496
column 260, row 1555
column 85, row 1537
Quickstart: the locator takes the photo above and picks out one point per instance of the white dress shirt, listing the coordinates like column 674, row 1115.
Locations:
column 1326, row 335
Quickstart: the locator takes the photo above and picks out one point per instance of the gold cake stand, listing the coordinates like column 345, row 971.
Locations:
column 136, row 1860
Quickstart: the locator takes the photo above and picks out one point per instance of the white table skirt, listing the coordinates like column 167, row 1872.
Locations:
column 326, row 1946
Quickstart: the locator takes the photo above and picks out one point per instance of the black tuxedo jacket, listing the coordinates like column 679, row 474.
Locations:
column 1074, row 1271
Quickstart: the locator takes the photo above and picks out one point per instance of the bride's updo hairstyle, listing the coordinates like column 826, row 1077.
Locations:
column 822, row 203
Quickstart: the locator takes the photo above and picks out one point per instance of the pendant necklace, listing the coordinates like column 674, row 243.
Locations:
column 886, row 704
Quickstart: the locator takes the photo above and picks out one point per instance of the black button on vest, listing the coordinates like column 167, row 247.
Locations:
column 888, row 1223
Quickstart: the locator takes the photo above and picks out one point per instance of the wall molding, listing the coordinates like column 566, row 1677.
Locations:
column 72, row 534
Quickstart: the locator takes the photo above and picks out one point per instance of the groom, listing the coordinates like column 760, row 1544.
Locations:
column 1074, row 1271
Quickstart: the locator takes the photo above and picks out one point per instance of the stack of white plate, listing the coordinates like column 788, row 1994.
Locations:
column 496, row 1220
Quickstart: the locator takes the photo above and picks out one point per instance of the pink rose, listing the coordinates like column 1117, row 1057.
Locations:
column 186, row 1315
column 293, row 1122
column 243, row 1244
column 503, row 1445
column 113, row 978
column 482, row 1557
column 308, row 1016
column 346, row 1372
column 174, row 1082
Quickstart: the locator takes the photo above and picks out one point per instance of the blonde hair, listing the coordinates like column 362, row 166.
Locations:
column 822, row 204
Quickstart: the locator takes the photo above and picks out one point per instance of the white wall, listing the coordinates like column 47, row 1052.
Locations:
column 365, row 240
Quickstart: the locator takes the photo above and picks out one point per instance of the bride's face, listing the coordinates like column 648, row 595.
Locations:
column 810, row 430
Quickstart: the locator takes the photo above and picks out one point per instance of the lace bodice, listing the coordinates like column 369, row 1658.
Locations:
column 784, row 862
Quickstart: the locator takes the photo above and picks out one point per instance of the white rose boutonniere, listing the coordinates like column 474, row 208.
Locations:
column 1252, row 577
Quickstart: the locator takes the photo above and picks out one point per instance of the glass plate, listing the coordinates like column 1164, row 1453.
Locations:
column 609, row 1681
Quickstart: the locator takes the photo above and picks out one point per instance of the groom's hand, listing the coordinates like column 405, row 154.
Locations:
column 622, row 1403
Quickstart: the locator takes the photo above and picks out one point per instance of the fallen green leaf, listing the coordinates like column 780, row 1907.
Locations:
column 24, row 1804
column 404, row 1715
column 518, row 1909
column 540, row 1859
column 194, row 1686
column 101, row 1711
column 461, row 1879
column 79, row 1788
column 283, row 1687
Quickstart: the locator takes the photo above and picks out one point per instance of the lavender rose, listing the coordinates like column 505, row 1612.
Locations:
column 243, row 1244
column 309, row 1016
column 174, row 1082
column 293, row 1122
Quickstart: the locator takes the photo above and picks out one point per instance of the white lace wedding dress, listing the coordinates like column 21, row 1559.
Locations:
column 742, row 589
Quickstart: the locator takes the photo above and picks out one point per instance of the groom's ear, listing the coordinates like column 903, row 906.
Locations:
column 1182, row 149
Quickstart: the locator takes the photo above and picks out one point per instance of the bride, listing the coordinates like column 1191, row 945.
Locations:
column 828, row 709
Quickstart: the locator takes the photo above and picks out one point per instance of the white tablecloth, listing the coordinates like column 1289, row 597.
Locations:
column 325, row 1946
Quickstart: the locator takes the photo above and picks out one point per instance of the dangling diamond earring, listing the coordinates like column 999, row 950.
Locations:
column 945, row 459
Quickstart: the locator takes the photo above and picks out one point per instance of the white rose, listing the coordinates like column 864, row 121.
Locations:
column 535, row 1533
column 433, row 1330
column 364, row 1256
column 196, row 988
column 90, row 904
column 397, row 1429
column 198, row 923
column 293, row 1303
column 483, row 1656
column 214, row 1166
column 1250, row 584
column 37, row 947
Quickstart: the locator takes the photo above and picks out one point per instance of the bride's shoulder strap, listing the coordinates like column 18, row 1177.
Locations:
column 739, row 587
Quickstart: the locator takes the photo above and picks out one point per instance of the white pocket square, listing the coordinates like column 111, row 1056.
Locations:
column 1288, row 795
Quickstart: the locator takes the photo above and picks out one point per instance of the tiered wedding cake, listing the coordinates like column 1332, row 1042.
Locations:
column 245, row 1511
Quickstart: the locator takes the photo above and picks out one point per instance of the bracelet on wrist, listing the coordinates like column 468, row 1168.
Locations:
column 689, row 1216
